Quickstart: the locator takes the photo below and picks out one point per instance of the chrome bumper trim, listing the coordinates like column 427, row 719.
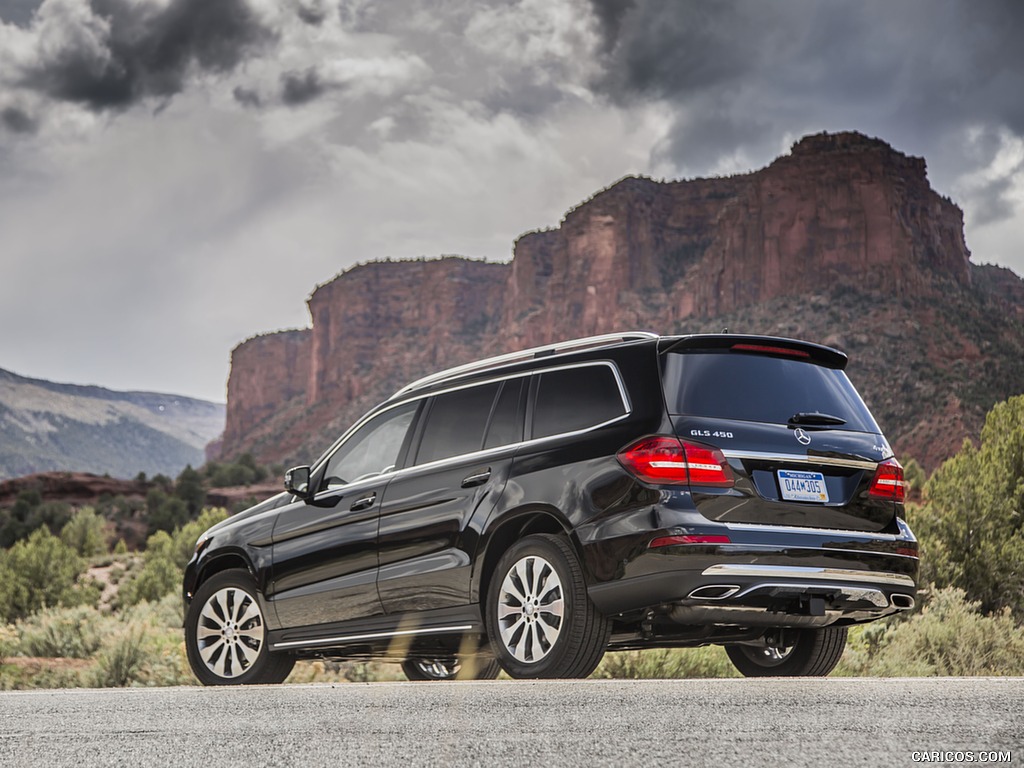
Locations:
column 808, row 572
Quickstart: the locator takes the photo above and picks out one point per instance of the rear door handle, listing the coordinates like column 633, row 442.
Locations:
column 364, row 503
column 477, row 478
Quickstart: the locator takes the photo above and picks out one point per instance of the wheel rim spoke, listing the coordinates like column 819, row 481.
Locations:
column 230, row 632
column 531, row 609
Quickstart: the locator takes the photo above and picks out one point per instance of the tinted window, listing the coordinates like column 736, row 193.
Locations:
column 758, row 388
column 576, row 398
column 455, row 423
column 372, row 450
column 505, row 427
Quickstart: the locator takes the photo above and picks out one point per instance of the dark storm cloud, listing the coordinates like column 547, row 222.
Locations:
column 742, row 74
column 18, row 121
column 246, row 97
column 299, row 87
column 943, row 55
column 145, row 52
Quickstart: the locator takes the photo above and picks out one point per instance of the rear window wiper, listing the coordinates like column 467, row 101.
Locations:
column 823, row 419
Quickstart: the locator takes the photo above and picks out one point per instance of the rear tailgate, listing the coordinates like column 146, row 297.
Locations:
column 801, row 445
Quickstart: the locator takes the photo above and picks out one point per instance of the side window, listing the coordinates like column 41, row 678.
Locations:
column 455, row 423
column 372, row 450
column 506, row 426
column 576, row 398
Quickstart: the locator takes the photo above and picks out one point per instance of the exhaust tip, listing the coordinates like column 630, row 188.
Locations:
column 714, row 592
column 903, row 602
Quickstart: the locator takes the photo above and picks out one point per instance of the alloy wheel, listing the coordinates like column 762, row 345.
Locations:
column 531, row 609
column 230, row 632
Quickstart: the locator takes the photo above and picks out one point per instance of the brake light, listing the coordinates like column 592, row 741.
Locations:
column 662, row 460
column 769, row 350
column 888, row 481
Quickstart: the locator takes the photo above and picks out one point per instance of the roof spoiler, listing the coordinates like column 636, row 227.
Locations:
column 756, row 345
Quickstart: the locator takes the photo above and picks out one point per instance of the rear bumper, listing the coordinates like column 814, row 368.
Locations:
column 769, row 576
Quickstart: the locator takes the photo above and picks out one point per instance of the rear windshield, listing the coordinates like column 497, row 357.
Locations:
column 730, row 385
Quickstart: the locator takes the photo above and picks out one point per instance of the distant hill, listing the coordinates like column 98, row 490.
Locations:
column 46, row 426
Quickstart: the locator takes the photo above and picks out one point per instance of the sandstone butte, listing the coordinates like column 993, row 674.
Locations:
column 843, row 241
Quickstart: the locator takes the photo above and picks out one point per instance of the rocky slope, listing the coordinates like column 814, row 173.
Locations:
column 47, row 426
column 842, row 241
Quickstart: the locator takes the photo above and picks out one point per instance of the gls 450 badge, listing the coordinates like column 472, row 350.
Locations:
column 711, row 433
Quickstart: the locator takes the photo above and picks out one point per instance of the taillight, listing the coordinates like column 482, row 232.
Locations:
column 888, row 481
column 707, row 466
column 662, row 460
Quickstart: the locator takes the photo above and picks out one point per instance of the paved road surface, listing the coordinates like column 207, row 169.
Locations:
column 817, row 722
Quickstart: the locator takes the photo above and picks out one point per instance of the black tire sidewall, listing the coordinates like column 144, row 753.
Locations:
column 267, row 668
column 556, row 661
column 815, row 654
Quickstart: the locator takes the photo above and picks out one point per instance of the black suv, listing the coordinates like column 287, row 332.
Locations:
column 530, row 511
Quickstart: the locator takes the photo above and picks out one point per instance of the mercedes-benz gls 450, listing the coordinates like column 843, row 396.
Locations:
column 531, row 511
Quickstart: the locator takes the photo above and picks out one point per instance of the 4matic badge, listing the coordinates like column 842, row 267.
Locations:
column 802, row 437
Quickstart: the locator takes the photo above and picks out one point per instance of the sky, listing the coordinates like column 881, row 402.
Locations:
column 178, row 175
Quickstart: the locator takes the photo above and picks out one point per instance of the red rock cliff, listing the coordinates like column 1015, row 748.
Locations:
column 842, row 215
column 266, row 372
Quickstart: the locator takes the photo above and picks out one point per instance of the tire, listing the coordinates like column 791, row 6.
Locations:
column 225, row 634
column 451, row 669
column 540, row 621
column 814, row 654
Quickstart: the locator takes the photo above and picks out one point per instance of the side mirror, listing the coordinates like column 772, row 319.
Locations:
column 296, row 481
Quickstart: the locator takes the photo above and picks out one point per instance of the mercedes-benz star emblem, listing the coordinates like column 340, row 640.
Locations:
column 802, row 437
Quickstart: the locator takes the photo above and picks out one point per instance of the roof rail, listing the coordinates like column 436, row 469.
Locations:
column 525, row 354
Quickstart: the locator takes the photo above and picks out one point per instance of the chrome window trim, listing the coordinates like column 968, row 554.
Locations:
column 809, row 572
column 483, row 453
column 373, row 636
column 801, row 459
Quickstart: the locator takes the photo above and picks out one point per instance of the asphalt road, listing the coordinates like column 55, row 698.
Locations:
column 767, row 722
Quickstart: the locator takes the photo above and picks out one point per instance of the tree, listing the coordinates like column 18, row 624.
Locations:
column 42, row 572
column 972, row 524
column 189, row 488
column 164, row 512
column 85, row 532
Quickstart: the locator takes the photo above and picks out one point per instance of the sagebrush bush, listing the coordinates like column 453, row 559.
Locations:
column 120, row 661
column 8, row 642
column 666, row 663
column 949, row 637
column 71, row 633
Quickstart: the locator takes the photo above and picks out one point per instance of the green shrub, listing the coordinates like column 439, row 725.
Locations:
column 971, row 526
column 74, row 633
column 159, row 575
column 666, row 663
column 121, row 660
column 41, row 572
column 86, row 533
column 165, row 560
column 8, row 642
column 949, row 637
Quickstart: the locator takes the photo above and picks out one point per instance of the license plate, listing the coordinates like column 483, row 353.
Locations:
column 802, row 486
